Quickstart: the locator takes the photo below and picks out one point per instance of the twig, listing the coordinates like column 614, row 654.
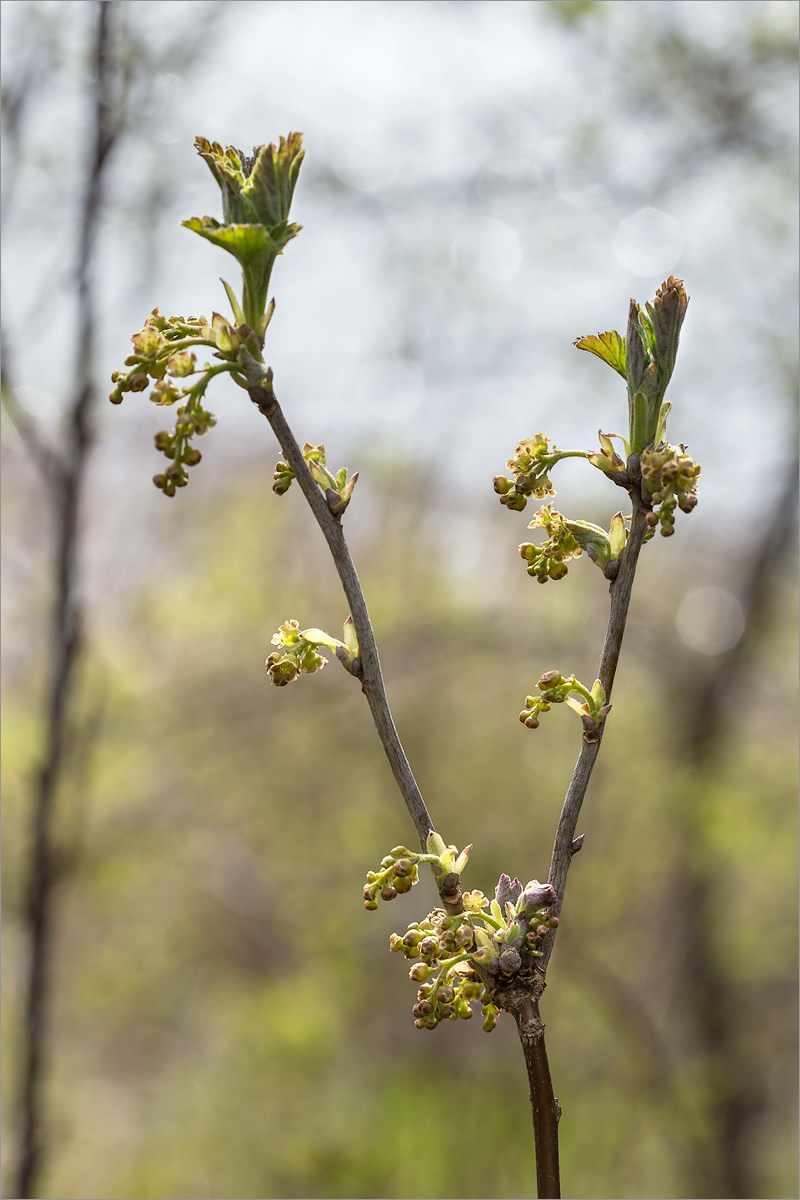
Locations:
column 544, row 1106
column 372, row 678
column 621, row 588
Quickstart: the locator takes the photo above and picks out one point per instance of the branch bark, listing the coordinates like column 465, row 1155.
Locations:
column 621, row 588
column 544, row 1106
column 372, row 677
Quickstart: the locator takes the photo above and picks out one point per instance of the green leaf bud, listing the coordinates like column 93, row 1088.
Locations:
column 435, row 844
column 462, row 859
column 226, row 337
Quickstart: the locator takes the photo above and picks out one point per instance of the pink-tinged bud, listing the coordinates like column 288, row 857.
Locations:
column 510, row 962
column 536, row 896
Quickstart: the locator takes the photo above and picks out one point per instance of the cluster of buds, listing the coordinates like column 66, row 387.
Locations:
column 530, row 463
column 670, row 476
column 163, row 353
column 298, row 652
column 397, row 875
column 453, row 954
column 398, row 870
column 441, row 947
column 338, row 489
column 589, row 704
column 568, row 539
column 192, row 420
column 161, row 348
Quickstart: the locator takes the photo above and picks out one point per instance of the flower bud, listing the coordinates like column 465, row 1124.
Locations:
column 550, row 679
column 536, row 896
column 510, row 962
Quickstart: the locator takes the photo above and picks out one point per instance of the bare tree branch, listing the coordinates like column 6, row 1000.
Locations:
column 372, row 677
column 66, row 628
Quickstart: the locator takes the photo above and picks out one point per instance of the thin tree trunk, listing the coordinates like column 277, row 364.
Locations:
column 65, row 478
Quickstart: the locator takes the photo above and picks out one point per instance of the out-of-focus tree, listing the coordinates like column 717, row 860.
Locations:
column 117, row 70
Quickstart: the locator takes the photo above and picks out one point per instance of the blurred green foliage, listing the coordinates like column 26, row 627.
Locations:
column 229, row 1022
column 218, row 1033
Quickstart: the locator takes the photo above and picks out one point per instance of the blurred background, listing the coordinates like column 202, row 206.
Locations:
column 214, row 1013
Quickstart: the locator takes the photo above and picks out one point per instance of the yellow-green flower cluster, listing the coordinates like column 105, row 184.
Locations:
column 589, row 703
column 470, row 956
column 298, row 652
column 530, row 463
column 670, row 476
